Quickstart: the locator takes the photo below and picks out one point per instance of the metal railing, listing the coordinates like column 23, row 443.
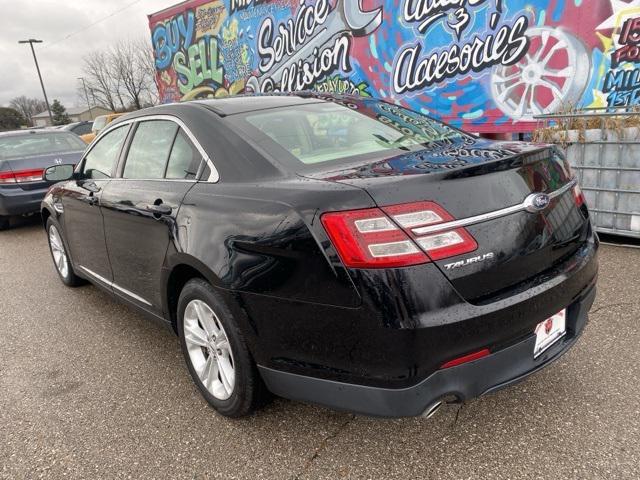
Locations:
column 603, row 147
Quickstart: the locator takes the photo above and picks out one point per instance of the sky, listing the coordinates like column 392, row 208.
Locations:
column 60, row 58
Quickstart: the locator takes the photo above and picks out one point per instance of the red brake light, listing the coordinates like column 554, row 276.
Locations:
column 368, row 239
column 7, row 177
column 21, row 176
column 378, row 238
column 466, row 358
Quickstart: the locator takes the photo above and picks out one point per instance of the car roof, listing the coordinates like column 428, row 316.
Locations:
column 41, row 131
column 239, row 104
column 253, row 102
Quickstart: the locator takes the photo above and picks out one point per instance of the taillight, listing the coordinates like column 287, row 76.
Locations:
column 445, row 244
column 385, row 237
column 369, row 239
column 21, row 176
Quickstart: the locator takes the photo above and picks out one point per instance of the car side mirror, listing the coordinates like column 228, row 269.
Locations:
column 58, row 173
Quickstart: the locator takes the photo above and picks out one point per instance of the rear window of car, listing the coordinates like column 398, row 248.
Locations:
column 30, row 145
column 82, row 128
column 329, row 132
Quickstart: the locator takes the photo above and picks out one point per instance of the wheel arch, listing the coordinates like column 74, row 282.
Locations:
column 45, row 213
column 184, row 267
column 180, row 271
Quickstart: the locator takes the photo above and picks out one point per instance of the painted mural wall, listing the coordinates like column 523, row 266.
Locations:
column 483, row 65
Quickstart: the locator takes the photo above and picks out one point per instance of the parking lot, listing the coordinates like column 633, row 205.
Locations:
column 90, row 389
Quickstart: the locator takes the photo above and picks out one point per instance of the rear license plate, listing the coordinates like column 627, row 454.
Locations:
column 550, row 331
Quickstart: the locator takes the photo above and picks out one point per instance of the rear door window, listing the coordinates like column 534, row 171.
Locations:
column 99, row 162
column 184, row 160
column 149, row 150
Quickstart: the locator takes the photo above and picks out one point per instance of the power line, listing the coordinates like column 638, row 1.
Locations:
column 116, row 12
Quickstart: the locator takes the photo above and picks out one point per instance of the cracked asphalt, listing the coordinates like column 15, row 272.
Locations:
column 91, row 389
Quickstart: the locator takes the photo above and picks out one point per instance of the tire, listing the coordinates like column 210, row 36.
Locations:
column 233, row 385
column 59, row 255
column 4, row 223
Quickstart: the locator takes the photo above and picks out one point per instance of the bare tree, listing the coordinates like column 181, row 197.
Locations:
column 101, row 82
column 28, row 107
column 131, row 63
column 122, row 77
column 147, row 63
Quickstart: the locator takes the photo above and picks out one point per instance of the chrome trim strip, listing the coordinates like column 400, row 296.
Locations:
column 96, row 276
column 113, row 285
column 484, row 217
column 214, row 176
column 130, row 294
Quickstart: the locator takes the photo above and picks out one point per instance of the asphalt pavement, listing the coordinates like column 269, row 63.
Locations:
column 90, row 389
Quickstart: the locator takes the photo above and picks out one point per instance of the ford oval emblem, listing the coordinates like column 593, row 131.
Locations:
column 536, row 202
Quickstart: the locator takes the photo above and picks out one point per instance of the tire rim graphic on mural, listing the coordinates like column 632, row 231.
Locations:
column 552, row 75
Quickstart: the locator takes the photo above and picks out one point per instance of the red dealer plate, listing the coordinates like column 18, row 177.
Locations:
column 550, row 331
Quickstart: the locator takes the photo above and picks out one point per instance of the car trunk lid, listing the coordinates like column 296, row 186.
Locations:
column 485, row 183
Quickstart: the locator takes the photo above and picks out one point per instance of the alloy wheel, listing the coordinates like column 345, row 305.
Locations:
column 58, row 251
column 209, row 349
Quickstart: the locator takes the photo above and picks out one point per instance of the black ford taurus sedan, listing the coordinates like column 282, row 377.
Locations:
column 331, row 249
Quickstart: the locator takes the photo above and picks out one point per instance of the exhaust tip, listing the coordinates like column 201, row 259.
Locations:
column 432, row 410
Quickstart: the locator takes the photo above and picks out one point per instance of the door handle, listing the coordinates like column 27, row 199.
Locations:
column 160, row 209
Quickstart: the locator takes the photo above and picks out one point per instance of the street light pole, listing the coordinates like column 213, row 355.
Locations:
column 86, row 96
column 31, row 41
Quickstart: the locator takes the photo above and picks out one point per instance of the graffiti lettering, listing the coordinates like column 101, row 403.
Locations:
column 504, row 47
column 622, row 82
column 338, row 84
column 169, row 37
column 629, row 39
column 242, row 4
column 427, row 12
column 623, row 87
column 199, row 64
column 496, row 63
column 291, row 35
column 305, row 49
column 208, row 17
column 304, row 73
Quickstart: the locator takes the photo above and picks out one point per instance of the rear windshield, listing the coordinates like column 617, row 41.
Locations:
column 29, row 145
column 329, row 132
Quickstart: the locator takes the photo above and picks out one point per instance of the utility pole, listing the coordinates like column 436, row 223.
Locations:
column 31, row 41
column 86, row 96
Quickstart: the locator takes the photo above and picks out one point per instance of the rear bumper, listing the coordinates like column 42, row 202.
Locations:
column 498, row 370
column 16, row 201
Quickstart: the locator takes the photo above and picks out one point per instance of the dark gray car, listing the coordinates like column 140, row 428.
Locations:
column 79, row 128
column 24, row 154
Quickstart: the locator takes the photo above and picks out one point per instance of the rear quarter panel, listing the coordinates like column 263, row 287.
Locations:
column 266, row 240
